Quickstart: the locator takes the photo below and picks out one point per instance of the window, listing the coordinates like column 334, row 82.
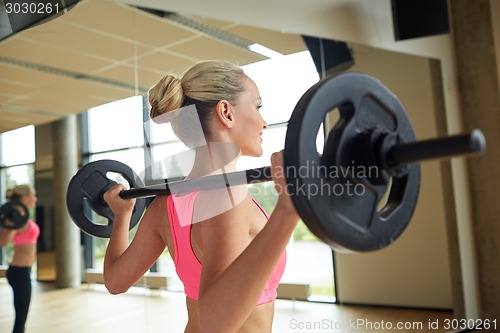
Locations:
column 18, row 146
column 166, row 155
column 281, row 82
column 116, row 125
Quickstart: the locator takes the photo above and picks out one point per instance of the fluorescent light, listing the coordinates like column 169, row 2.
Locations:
column 266, row 52
column 217, row 33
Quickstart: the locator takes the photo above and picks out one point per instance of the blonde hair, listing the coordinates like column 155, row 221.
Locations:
column 16, row 193
column 203, row 85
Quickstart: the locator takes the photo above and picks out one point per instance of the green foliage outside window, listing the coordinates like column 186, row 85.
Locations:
column 266, row 195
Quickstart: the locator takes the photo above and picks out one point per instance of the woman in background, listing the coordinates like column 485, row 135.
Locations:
column 25, row 244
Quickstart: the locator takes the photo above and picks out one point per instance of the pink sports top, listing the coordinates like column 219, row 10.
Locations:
column 187, row 265
column 29, row 236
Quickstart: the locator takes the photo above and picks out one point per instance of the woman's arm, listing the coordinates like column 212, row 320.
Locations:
column 237, row 281
column 6, row 236
column 124, row 264
column 236, row 276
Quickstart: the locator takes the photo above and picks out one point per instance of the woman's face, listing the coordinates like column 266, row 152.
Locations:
column 30, row 199
column 249, row 123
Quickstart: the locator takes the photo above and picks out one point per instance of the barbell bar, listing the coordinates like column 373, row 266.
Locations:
column 373, row 133
column 397, row 156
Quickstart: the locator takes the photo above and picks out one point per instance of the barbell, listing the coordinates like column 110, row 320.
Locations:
column 358, row 195
column 13, row 215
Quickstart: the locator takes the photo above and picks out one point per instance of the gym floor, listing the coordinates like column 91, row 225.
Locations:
column 90, row 308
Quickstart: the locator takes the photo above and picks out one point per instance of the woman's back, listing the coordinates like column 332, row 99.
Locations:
column 188, row 247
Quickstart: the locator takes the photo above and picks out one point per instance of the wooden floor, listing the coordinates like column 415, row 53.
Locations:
column 90, row 309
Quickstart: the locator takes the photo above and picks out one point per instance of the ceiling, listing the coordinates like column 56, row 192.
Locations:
column 102, row 51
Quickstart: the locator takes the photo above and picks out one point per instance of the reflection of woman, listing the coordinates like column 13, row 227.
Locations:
column 24, row 239
column 231, row 261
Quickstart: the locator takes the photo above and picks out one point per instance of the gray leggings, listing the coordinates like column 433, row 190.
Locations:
column 20, row 280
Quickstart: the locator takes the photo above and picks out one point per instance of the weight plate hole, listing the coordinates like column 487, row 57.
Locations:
column 92, row 216
column 325, row 129
column 117, row 177
column 382, row 204
column 320, row 140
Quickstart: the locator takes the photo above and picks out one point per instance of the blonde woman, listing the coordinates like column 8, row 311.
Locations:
column 25, row 243
column 229, row 254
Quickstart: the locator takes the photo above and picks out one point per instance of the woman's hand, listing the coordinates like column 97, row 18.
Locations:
column 279, row 176
column 118, row 205
column 9, row 224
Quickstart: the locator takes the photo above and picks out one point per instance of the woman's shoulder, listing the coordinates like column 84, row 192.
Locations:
column 157, row 210
column 159, row 202
column 221, row 203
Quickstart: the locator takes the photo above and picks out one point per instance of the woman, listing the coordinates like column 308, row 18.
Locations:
column 25, row 241
column 231, row 262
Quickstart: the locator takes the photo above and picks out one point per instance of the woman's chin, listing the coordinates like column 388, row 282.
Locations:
column 253, row 153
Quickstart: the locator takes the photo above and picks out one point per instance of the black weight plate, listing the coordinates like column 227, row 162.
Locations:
column 16, row 212
column 339, row 207
column 89, row 184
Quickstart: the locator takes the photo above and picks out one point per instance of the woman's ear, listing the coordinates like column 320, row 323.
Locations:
column 224, row 113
